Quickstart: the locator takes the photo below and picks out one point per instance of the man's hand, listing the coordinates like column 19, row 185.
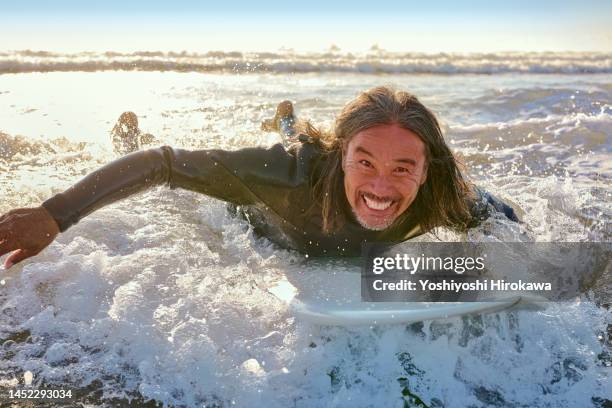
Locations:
column 27, row 231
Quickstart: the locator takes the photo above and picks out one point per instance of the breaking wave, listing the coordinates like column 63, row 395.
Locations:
column 374, row 61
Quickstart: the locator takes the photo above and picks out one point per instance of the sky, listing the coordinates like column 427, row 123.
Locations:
column 240, row 25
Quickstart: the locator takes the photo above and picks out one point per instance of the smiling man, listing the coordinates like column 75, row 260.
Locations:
column 384, row 167
column 384, row 174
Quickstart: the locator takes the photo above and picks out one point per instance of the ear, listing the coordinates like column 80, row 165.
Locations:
column 424, row 174
column 343, row 156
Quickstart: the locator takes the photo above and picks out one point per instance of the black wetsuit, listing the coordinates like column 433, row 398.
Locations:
column 271, row 187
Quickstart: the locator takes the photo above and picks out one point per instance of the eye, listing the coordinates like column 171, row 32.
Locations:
column 402, row 170
column 365, row 163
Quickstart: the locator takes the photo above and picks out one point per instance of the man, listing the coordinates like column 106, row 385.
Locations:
column 384, row 174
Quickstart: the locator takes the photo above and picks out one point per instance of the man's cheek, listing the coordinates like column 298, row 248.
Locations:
column 410, row 186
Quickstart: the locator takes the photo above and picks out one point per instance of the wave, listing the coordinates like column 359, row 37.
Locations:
column 373, row 62
column 15, row 147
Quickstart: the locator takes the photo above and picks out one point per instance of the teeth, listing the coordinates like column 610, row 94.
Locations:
column 377, row 205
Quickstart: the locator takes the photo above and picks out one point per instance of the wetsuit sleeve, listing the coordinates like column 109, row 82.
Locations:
column 240, row 177
column 485, row 204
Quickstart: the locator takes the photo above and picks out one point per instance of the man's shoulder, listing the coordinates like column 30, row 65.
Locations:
column 306, row 146
column 308, row 155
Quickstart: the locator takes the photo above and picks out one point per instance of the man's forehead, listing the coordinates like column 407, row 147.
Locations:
column 388, row 140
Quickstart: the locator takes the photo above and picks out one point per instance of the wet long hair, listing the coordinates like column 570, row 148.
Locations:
column 441, row 200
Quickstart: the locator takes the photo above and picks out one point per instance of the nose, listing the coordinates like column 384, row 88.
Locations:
column 381, row 185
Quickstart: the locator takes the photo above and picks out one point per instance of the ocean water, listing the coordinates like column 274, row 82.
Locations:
column 165, row 296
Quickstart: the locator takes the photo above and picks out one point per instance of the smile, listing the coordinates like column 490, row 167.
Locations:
column 375, row 203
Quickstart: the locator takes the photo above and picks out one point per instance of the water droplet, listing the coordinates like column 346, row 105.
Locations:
column 28, row 377
column 2, row 282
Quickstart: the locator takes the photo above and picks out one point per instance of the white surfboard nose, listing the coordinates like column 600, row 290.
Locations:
column 334, row 298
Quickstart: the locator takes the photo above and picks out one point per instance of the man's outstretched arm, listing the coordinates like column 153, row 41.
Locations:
column 234, row 176
column 119, row 179
column 27, row 231
column 485, row 204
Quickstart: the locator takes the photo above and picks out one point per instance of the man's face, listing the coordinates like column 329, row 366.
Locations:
column 384, row 166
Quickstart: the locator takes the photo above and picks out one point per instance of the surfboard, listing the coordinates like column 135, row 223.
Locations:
column 334, row 298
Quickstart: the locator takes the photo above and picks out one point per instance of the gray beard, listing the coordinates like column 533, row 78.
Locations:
column 368, row 227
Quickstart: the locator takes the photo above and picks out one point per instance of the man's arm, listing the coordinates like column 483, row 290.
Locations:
column 242, row 177
column 485, row 204
column 203, row 171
